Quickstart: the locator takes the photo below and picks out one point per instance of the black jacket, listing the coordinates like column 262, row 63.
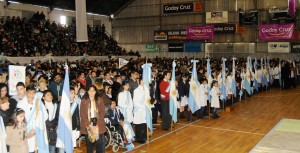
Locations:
column 51, row 127
column 5, row 117
column 154, row 91
column 183, row 89
column 12, row 106
column 114, row 117
column 76, row 119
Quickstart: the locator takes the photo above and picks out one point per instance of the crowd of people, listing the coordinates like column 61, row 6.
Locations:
column 99, row 90
column 38, row 37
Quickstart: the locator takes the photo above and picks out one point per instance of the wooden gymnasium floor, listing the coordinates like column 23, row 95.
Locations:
column 234, row 132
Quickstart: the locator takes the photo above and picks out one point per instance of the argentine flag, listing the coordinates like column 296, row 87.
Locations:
column 255, row 70
column 223, row 86
column 40, row 127
column 247, row 77
column 64, row 131
column 194, row 98
column 233, row 86
column 209, row 78
column 147, row 79
column 173, row 95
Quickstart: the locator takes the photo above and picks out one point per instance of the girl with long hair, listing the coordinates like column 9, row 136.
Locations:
column 92, row 125
column 17, row 133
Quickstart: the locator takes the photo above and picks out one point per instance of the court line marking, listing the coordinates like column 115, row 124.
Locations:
column 191, row 124
column 221, row 129
column 152, row 140
column 280, row 95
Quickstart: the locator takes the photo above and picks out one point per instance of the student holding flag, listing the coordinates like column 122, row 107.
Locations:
column 183, row 91
column 164, row 88
column 52, row 120
column 75, row 103
column 28, row 107
column 139, row 109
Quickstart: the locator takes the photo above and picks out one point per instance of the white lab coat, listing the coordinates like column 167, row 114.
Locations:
column 215, row 97
column 139, row 106
column 125, row 105
column 203, row 96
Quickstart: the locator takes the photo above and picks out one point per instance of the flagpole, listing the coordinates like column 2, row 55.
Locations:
column 232, row 100
column 171, row 124
column 148, row 135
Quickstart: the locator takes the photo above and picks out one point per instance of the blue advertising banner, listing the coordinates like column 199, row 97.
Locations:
column 193, row 47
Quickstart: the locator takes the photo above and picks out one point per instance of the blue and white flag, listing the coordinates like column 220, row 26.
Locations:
column 147, row 79
column 173, row 95
column 40, row 128
column 223, row 86
column 233, row 85
column 247, row 77
column 255, row 71
column 269, row 72
column 262, row 76
column 280, row 81
column 64, row 131
column 2, row 137
column 209, row 78
column 194, row 96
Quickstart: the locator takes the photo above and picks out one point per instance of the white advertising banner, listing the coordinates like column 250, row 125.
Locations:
column 279, row 47
column 16, row 74
column 217, row 17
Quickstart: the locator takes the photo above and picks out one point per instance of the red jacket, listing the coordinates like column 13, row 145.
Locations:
column 163, row 86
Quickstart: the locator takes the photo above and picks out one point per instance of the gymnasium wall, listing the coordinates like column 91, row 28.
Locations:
column 134, row 26
column 27, row 10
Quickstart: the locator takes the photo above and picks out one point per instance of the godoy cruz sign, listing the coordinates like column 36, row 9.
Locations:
column 182, row 7
column 276, row 31
column 200, row 32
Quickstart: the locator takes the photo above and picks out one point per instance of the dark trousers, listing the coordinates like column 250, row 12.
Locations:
column 155, row 113
column 293, row 82
column 166, row 117
column 99, row 145
column 201, row 112
column 120, row 130
column 141, row 132
column 276, row 83
column 214, row 111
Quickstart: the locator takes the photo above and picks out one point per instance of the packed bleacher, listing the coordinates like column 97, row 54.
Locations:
column 38, row 37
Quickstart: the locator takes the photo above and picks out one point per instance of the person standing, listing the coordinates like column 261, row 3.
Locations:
column 28, row 106
column 92, row 125
column 125, row 103
column 19, row 97
column 183, row 91
column 17, row 133
column 164, row 88
column 133, row 81
column 215, row 94
column 56, row 87
column 139, row 118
